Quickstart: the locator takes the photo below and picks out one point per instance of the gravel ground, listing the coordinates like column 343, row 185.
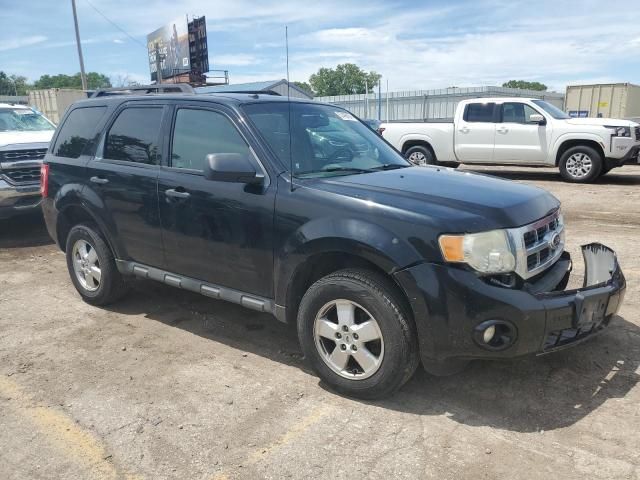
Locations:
column 168, row 384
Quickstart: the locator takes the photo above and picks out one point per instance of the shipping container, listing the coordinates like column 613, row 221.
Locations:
column 53, row 102
column 427, row 105
column 611, row 100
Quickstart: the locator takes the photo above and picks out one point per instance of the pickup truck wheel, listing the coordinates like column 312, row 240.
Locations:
column 580, row 164
column 354, row 332
column 92, row 267
column 420, row 156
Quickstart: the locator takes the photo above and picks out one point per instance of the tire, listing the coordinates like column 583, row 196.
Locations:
column 87, row 251
column 605, row 169
column 369, row 296
column 420, row 155
column 580, row 164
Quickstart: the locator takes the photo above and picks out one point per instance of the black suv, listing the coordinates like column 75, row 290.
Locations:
column 378, row 263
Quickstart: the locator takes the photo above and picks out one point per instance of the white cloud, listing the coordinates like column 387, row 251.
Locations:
column 235, row 60
column 15, row 43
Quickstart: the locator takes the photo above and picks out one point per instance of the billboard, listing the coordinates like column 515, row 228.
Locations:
column 171, row 45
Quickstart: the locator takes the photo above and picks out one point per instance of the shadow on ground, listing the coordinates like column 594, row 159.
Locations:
column 24, row 231
column 614, row 177
column 526, row 395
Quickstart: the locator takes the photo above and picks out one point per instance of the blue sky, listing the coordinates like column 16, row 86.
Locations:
column 414, row 45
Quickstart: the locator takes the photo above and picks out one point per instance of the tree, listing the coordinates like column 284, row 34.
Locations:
column 523, row 84
column 345, row 79
column 306, row 87
column 94, row 80
column 13, row 84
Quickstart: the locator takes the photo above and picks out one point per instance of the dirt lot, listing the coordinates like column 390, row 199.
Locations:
column 168, row 384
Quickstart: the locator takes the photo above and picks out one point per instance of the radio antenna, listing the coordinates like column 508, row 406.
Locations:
column 286, row 42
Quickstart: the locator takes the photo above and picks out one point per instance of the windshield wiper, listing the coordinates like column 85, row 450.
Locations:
column 389, row 166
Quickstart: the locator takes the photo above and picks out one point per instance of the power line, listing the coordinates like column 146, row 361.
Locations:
column 116, row 25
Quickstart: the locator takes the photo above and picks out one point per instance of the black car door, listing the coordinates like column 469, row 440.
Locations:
column 215, row 231
column 123, row 182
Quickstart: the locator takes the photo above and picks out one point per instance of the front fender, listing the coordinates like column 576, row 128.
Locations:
column 576, row 136
column 356, row 237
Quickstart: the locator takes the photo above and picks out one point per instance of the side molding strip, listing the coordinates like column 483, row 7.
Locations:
column 186, row 283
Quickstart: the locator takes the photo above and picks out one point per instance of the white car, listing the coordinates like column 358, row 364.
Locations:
column 519, row 131
column 24, row 138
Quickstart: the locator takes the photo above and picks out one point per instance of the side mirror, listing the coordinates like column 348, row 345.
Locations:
column 231, row 167
column 537, row 118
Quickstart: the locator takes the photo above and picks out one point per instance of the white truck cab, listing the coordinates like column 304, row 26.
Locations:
column 519, row 131
column 24, row 138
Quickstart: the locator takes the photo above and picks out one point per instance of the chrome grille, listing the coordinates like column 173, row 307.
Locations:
column 538, row 245
column 19, row 155
column 22, row 175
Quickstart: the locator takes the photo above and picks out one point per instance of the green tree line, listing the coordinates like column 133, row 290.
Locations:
column 19, row 85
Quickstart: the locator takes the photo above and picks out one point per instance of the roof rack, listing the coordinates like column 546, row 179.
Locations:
column 144, row 90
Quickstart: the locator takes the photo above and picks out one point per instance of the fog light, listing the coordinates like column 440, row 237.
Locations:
column 488, row 334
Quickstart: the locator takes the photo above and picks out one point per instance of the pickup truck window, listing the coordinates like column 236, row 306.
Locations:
column 516, row 112
column 133, row 137
column 479, row 112
column 22, row 120
column 325, row 140
column 552, row 110
column 197, row 133
column 77, row 131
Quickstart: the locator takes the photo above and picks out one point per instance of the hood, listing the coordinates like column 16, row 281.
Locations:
column 457, row 201
column 17, row 138
column 615, row 122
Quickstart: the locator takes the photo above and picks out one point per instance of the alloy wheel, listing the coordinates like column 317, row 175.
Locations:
column 86, row 265
column 579, row 165
column 348, row 339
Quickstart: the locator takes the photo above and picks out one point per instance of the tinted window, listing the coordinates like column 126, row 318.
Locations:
column 133, row 137
column 479, row 112
column 517, row 113
column 198, row 133
column 78, row 131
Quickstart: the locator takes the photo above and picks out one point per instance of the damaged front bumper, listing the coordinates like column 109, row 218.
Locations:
column 453, row 306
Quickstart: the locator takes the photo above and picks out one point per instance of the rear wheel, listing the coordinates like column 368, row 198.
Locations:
column 580, row 164
column 420, row 155
column 92, row 266
column 353, row 331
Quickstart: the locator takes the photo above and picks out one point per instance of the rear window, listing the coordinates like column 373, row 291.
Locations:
column 479, row 112
column 133, row 137
column 78, row 131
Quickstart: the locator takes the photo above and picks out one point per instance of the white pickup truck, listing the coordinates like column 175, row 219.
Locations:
column 519, row 131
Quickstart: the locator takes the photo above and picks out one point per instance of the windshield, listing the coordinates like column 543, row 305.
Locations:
column 552, row 110
column 23, row 120
column 325, row 140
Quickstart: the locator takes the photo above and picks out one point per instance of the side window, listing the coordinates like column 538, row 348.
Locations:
column 77, row 131
column 514, row 112
column 198, row 133
column 133, row 137
column 479, row 112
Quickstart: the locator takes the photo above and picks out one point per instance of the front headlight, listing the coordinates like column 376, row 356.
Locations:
column 619, row 131
column 486, row 252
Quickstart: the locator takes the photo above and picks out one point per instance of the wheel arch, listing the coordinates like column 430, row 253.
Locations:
column 74, row 214
column 566, row 144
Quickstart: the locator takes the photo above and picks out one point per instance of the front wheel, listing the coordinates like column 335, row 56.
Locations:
column 354, row 332
column 580, row 164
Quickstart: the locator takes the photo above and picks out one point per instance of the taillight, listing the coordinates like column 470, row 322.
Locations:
column 44, row 180
column 380, row 130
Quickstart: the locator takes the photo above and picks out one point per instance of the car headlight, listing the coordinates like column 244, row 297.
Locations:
column 619, row 131
column 486, row 252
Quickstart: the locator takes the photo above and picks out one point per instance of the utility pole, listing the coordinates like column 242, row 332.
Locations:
column 83, row 77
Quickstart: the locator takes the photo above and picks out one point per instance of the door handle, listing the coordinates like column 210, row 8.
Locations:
column 99, row 180
column 502, row 130
column 172, row 192
column 464, row 130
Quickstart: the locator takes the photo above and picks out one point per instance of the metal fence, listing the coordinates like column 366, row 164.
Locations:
column 427, row 104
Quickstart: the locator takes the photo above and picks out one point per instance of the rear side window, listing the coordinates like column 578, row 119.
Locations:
column 479, row 112
column 77, row 132
column 198, row 133
column 133, row 137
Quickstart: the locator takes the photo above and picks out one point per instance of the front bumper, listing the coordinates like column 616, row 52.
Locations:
column 17, row 199
column 623, row 151
column 450, row 303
